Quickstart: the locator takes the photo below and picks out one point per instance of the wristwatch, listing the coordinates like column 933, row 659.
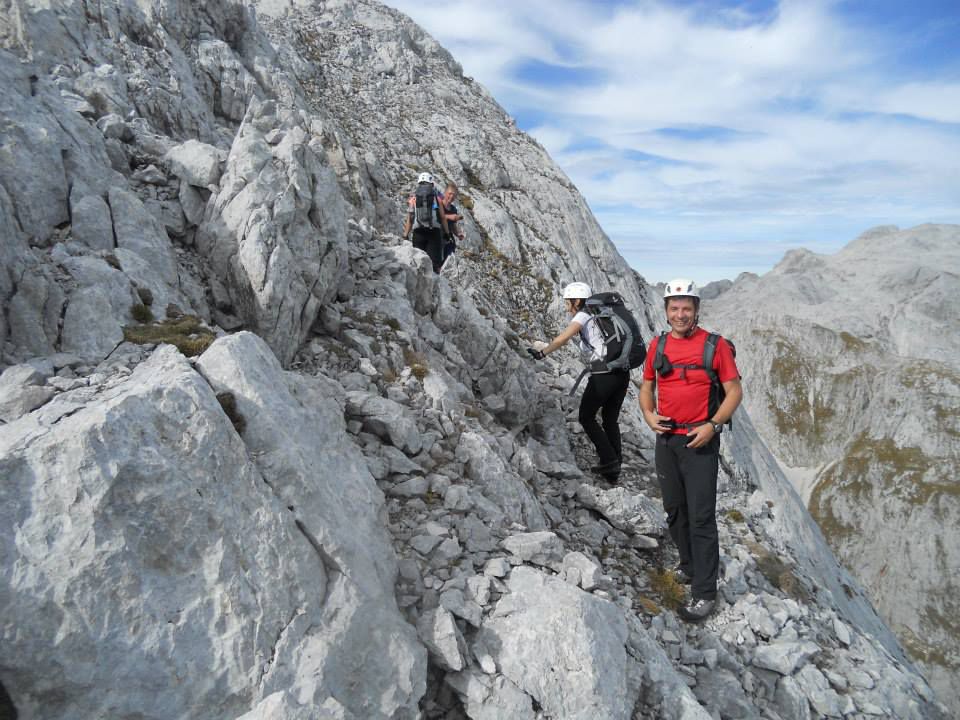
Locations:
column 717, row 427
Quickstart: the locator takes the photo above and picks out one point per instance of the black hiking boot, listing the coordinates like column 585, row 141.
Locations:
column 682, row 576
column 610, row 467
column 697, row 611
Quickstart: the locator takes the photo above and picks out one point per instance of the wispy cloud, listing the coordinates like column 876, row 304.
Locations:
column 728, row 128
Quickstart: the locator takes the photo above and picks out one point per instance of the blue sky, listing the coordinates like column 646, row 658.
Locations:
column 711, row 137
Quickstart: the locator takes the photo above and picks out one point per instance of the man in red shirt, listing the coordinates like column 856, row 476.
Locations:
column 688, row 438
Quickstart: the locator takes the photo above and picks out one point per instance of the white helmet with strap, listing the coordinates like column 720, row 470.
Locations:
column 425, row 177
column 681, row 287
column 577, row 290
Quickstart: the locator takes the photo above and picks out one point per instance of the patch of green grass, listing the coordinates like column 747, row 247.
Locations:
column 141, row 313
column 777, row 572
column 736, row 516
column 664, row 584
column 851, row 343
column 145, row 295
column 186, row 333
column 417, row 363
column 493, row 250
column 648, row 605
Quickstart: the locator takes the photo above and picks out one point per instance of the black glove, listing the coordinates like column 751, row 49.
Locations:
column 536, row 354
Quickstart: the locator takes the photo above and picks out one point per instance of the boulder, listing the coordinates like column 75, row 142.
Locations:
column 563, row 647
column 631, row 512
column 195, row 163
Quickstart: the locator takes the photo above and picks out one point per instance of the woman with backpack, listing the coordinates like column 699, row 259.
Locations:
column 604, row 392
column 427, row 220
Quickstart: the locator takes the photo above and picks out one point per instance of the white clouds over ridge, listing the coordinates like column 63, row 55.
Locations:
column 680, row 122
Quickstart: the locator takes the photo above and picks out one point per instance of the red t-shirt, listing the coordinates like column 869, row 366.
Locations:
column 684, row 395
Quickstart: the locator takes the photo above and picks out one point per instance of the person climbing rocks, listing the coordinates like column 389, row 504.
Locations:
column 680, row 400
column 454, row 220
column 425, row 218
column 604, row 392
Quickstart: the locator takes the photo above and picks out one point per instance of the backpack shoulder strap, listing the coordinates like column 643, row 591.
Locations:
column 661, row 347
column 658, row 357
column 709, row 351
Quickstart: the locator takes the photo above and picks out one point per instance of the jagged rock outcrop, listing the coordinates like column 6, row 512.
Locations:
column 138, row 524
column 852, row 363
column 365, row 509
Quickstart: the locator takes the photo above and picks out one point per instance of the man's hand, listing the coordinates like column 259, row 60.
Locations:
column 658, row 423
column 536, row 354
column 700, row 435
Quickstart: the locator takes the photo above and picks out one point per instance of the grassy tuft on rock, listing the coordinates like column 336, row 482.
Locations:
column 146, row 296
column 664, row 584
column 186, row 333
column 141, row 313
column 418, row 364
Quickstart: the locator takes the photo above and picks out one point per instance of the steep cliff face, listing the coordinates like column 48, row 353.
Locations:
column 373, row 505
column 852, row 363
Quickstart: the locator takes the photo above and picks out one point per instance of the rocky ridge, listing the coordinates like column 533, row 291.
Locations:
column 852, row 363
column 371, row 506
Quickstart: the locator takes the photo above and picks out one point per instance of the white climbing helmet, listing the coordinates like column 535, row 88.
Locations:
column 425, row 177
column 681, row 287
column 576, row 290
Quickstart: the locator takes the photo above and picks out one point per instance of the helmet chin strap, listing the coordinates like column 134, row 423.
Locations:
column 693, row 328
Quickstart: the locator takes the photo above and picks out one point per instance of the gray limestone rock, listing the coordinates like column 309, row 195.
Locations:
column 720, row 690
column 295, row 430
column 385, row 419
column 90, row 222
column 165, row 518
column 817, row 689
column 22, row 389
column 784, row 657
column 438, row 631
column 790, row 701
column 277, row 229
column 631, row 512
column 138, row 231
column 491, row 698
column 493, row 477
column 195, row 163
column 582, row 570
column 563, row 647
column 542, row 548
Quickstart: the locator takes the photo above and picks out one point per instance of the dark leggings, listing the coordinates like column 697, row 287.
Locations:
column 431, row 242
column 688, row 483
column 605, row 393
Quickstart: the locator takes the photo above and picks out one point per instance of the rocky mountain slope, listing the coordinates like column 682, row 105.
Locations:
column 852, row 362
column 258, row 461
